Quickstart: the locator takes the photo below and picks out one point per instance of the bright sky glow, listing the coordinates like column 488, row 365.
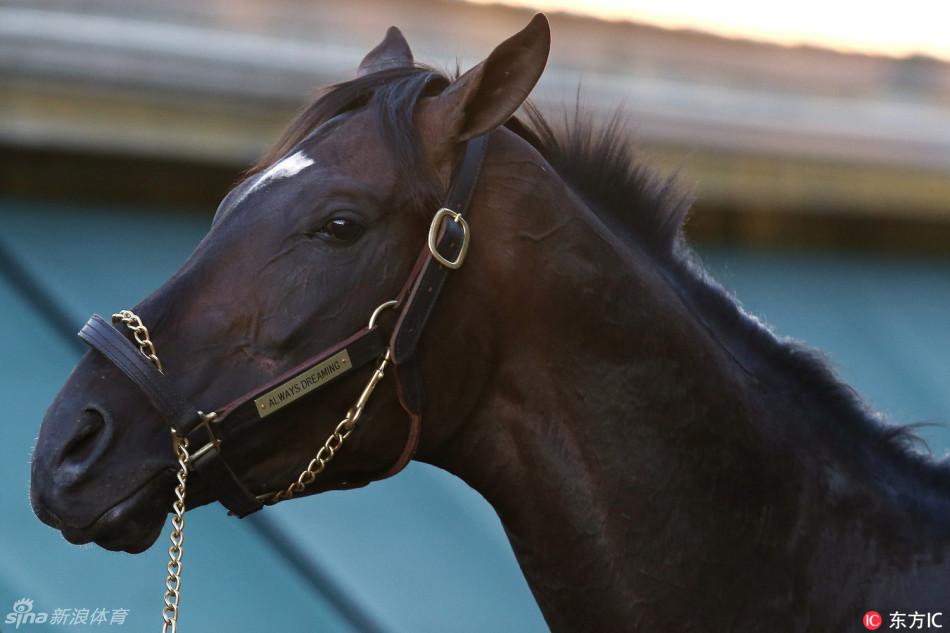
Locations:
column 872, row 26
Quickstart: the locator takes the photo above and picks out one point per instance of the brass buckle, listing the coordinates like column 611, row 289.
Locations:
column 434, row 236
column 214, row 442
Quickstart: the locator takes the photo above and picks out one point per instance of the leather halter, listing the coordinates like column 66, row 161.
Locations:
column 444, row 252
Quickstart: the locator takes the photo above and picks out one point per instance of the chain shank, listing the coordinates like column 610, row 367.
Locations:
column 177, row 536
column 316, row 466
column 333, row 443
column 140, row 334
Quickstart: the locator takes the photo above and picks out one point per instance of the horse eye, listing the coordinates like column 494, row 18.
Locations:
column 342, row 229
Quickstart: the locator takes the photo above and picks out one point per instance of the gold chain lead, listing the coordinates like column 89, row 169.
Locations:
column 177, row 537
column 316, row 466
column 175, row 551
column 333, row 444
column 140, row 333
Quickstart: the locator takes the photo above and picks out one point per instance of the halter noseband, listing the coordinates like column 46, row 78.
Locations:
column 445, row 251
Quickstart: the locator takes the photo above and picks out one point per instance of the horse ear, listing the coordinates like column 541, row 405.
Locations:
column 392, row 52
column 488, row 94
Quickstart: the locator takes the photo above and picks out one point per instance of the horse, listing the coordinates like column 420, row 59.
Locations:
column 659, row 458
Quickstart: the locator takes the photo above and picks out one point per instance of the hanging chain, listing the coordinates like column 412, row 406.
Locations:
column 342, row 430
column 333, row 444
column 140, row 333
column 177, row 537
column 316, row 466
column 175, row 551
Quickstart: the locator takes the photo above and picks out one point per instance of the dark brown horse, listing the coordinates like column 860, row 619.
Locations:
column 659, row 459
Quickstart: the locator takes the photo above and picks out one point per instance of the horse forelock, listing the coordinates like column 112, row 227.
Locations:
column 392, row 95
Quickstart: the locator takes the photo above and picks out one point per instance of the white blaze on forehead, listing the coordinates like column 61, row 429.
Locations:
column 285, row 168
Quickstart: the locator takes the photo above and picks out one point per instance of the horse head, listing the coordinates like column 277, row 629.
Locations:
column 322, row 231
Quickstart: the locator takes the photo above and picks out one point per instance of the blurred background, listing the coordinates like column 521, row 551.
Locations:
column 816, row 137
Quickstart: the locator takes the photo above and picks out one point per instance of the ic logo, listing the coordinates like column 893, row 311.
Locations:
column 872, row 620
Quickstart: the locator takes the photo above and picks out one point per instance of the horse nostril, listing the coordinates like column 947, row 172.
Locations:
column 80, row 446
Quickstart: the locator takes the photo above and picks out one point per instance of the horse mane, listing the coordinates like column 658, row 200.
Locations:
column 601, row 164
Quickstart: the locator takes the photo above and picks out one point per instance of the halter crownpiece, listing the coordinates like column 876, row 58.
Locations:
column 445, row 251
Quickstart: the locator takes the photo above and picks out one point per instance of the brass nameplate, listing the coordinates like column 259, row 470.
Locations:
column 303, row 383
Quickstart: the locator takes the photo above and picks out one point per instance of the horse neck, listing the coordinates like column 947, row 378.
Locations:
column 625, row 448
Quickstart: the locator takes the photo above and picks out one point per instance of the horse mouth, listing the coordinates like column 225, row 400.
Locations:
column 133, row 524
